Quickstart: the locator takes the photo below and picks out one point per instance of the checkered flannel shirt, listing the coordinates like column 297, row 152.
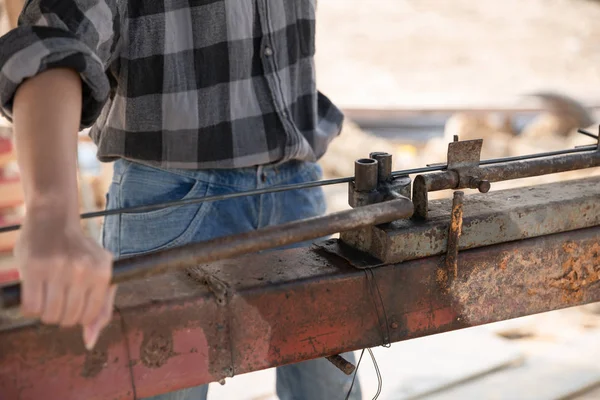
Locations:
column 182, row 84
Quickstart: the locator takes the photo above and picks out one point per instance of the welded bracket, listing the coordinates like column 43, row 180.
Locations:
column 462, row 172
column 464, row 158
column 373, row 183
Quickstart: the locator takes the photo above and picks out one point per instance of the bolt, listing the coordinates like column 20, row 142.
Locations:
column 480, row 184
column 394, row 325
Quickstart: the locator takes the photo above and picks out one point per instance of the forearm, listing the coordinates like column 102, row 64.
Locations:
column 13, row 9
column 46, row 116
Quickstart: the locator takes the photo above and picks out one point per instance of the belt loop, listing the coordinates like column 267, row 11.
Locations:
column 261, row 176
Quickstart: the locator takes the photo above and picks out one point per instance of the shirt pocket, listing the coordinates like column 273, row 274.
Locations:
column 149, row 231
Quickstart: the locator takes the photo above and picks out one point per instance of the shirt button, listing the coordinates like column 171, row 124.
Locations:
column 268, row 51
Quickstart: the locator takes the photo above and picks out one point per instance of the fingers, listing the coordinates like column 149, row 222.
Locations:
column 92, row 330
column 75, row 301
column 54, row 304
column 33, row 295
column 98, row 290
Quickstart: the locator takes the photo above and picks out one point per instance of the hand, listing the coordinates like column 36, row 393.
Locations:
column 65, row 276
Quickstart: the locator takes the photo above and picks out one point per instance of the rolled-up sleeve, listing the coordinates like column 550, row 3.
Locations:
column 79, row 34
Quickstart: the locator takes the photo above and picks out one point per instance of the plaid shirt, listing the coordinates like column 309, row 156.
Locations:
column 182, row 84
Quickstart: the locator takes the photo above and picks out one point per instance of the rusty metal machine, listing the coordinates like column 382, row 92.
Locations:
column 403, row 267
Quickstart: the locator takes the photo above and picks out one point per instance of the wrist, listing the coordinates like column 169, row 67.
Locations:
column 49, row 211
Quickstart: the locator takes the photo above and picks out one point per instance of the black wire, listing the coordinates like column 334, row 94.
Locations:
column 387, row 343
column 378, row 372
column 355, row 372
column 586, row 133
column 385, row 330
column 307, row 185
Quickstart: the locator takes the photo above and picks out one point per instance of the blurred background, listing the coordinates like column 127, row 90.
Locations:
column 409, row 74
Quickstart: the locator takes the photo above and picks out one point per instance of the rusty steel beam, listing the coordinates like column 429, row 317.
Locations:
column 232, row 317
column 495, row 217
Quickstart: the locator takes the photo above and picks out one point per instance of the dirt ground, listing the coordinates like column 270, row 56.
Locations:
column 387, row 53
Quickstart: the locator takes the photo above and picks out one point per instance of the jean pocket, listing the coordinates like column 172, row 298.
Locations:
column 145, row 232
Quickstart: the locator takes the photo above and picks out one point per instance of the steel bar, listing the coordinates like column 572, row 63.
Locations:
column 588, row 134
column 307, row 185
column 501, row 172
column 496, row 217
column 543, row 166
column 235, row 245
column 342, row 364
column 285, row 307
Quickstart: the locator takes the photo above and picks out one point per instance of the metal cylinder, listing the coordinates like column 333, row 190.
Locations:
column 384, row 165
column 365, row 174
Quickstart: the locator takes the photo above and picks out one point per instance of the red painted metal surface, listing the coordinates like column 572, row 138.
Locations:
column 285, row 307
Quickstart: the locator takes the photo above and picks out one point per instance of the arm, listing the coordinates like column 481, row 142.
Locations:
column 65, row 275
column 13, row 9
column 53, row 82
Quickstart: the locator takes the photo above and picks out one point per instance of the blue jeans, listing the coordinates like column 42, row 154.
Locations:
column 132, row 234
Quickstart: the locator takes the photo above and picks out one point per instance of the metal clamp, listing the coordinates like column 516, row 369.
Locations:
column 374, row 183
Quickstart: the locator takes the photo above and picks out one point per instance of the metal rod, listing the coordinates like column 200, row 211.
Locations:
column 526, row 168
column 307, row 185
column 147, row 265
column 342, row 364
column 586, row 133
column 546, row 166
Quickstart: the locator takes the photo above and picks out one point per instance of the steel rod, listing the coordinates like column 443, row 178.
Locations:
column 151, row 264
column 307, row 185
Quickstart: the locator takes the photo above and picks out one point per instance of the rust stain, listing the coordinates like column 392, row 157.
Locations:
column 441, row 276
column 94, row 363
column 503, row 263
column 156, row 349
column 580, row 270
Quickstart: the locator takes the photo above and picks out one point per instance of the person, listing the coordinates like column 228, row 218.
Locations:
column 188, row 99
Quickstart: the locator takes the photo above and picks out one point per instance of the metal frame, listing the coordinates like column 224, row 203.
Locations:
column 171, row 332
